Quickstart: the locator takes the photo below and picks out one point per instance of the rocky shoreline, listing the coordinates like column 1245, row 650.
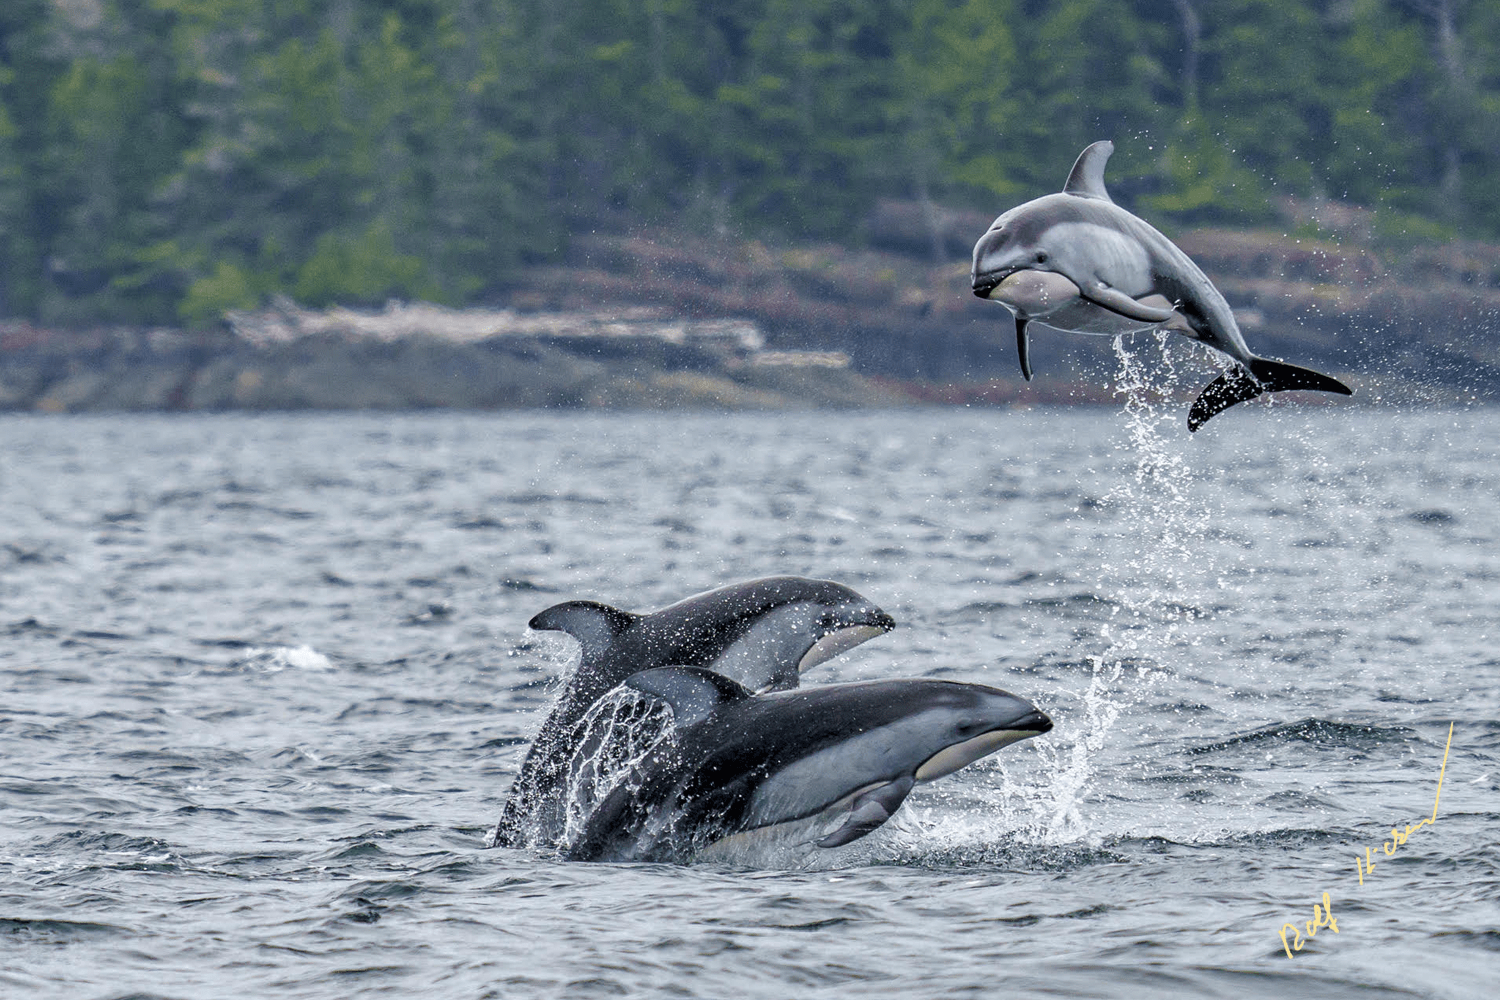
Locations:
column 625, row 362
column 667, row 320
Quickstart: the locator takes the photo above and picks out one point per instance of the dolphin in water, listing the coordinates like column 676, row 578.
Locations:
column 761, row 634
column 1092, row 267
column 742, row 767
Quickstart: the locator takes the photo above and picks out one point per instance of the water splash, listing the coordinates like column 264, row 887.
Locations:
column 274, row 659
column 617, row 733
column 1155, row 584
column 1058, row 801
column 1151, row 592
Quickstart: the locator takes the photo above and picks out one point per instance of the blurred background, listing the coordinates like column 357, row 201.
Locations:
column 819, row 168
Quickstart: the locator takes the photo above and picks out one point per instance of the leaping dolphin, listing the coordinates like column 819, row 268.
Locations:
column 760, row 634
column 743, row 766
column 1124, row 276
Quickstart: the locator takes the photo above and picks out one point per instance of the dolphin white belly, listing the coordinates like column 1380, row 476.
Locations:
column 1052, row 300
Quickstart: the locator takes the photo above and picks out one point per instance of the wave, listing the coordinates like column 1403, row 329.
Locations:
column 273, row 659
column 1324, row 732
column 53, row 930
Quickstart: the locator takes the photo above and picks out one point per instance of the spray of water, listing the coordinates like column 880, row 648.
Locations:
column 1148, row 586
column 1149, row 578
column 619, row 731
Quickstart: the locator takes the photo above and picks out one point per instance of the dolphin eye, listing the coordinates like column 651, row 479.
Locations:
column 1041, row 256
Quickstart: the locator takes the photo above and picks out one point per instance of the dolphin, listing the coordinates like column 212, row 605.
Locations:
column 761, row 634
column 1124, row 276
column 742, row 767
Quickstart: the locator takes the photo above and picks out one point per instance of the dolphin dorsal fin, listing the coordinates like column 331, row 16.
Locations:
column 1087, row 178
column 594, row 625
column 692, row 692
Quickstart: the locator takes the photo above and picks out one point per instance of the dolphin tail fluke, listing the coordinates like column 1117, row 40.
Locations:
column 1234, row 386
column 1276, row 376
column 1238, row 385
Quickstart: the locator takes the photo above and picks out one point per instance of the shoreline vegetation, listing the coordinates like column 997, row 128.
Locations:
column 816, row 172
column 664, row 319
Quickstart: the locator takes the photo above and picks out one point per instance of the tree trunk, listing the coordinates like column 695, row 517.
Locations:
column 1192, row 35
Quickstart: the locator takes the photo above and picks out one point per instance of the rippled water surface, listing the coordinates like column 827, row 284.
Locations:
column 267, row 679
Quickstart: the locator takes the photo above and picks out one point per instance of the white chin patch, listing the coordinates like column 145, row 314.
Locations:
column 948, row 760
column 1035, row 293
column 834, row 643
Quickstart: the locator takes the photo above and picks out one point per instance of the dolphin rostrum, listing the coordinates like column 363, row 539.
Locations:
column 800, row 761
column 760, row 634
column 1116, row 274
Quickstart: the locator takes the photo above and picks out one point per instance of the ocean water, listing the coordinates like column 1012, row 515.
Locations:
column 267, row 679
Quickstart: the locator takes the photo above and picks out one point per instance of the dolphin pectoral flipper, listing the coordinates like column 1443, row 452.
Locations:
column 868, row 811
column 1023, row 347
column 1117, row 301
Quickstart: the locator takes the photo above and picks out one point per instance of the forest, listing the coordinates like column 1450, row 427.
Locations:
column 164, row 160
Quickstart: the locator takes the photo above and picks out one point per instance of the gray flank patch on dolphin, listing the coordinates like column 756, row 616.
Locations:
column 1112, row 251
column 822, row 776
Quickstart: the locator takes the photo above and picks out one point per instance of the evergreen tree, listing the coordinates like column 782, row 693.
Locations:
column 953, row 104
column 163, row 160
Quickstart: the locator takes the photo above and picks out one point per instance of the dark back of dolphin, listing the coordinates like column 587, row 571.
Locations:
column 711, row 629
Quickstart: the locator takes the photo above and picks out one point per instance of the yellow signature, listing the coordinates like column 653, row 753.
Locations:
column 1323, row 913
column 1322, row 917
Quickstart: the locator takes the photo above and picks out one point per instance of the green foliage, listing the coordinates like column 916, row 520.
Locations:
column 363, row 270
column 13, row 242
column 954, row 99
column 1376, row 67
column 208, row 298
column 1089, row 70
column 109, row 144
column 1264, row 101
column 1398, row 230
column 806, row 125
column 163, row 160
column 1208, row 183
